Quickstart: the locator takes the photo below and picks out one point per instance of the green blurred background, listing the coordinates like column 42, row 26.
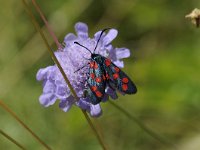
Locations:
column 164, row 64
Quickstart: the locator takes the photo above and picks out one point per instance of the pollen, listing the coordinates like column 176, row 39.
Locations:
column 115, row 75
column 125, row 80
column 107, row 62
column 125, row 87
column 98, row 79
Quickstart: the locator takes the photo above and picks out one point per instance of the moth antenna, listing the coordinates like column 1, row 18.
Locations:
column 83, row 47
column 100, row 37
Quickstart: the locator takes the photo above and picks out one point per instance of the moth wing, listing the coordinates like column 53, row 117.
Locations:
column 96, row 83
column 93, row 98
column 116, row 76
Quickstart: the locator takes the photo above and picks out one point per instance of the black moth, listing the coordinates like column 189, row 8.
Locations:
column 103, row 72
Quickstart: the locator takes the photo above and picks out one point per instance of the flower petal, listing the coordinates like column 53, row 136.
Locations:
column 47, row 99
column 110, row 36
column 83, row 103
column 122, row 53
column 97, row 34
column 42, row 73
column 49, row 87
column 65, row 104
column 111, row 93
column 62, row 91
column 119, row 63
column 95, row 110
column 105, row 98
column 69, row 38
column 81, row 30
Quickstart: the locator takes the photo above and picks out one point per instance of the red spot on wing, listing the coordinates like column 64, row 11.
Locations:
column 115, row 75
column 95, row 65
column 91, row 64
column 98, row 79
column 124, row 87
column 98, row 94
column 107, row 62
column 104, row 78
column 92, row 75
column 107, row 76
column 93, row 88
column 125, row 80
column 117, row 69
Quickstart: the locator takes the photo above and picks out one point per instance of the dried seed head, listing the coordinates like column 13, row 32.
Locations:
column 194, row 16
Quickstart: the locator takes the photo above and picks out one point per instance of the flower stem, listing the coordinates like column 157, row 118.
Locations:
column 95, row 131
column 5, row 107
column 47, row 24
column 144, row 127
column 12, row 140
column 36, row 25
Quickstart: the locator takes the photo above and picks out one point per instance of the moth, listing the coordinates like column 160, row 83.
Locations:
column 103, row 72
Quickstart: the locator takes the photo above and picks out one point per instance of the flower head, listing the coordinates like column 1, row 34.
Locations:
column 73, row 57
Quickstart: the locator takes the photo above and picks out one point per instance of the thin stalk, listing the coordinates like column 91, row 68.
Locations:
column 47, row 24
column 6, row 108
column 144, row 127
column 94, row 130
column 36, row 25
column 12, row 140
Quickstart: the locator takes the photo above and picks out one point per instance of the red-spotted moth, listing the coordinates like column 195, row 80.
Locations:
column 102, row 73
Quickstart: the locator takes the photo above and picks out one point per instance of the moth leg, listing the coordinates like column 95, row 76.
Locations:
column 85, row 93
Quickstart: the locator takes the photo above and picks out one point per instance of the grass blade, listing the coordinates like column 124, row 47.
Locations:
column 12, row 140
column 143, row 126
column 6, row 108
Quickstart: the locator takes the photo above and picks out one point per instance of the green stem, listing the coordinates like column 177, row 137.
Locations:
column 95, row 131
column 36, row 25
column 12, row 140
column 47, row 24
column 143, row 126
column 5, row 107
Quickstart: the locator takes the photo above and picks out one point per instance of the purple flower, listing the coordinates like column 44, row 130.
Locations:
column 73, row 57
